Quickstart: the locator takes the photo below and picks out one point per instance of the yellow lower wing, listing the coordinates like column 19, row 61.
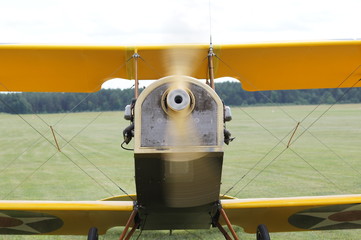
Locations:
column 296, row 214
column 278, row 214
column 62, row 217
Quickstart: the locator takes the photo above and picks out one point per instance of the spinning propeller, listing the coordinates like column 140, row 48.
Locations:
column 180, row 187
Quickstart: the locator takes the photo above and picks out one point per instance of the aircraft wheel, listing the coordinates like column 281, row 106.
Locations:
column 93, row 233
column 262, row 232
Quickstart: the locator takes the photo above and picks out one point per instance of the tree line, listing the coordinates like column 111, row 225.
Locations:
column 116, row 99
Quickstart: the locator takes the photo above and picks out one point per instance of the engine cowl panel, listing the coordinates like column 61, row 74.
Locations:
column 178, row 151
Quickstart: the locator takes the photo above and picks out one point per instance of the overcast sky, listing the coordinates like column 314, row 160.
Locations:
column 132, row 22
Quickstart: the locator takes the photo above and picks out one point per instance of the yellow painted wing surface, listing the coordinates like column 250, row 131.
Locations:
column 263, row 66
column 86, row 68
column 281, row 66
column 59, row 68
column 62, row 218
column 296, row 214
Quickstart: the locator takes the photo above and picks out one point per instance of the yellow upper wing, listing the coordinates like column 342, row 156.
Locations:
column 84, row 68
column 59, row 68
column 279, row 66
column 296, row 214
column 266, row 66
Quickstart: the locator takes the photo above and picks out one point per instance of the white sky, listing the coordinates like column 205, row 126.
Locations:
column 140, row 22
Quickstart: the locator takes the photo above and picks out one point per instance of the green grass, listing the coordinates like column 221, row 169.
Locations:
column 323, row 160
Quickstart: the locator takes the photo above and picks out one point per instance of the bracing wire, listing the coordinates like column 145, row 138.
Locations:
column 274, row 159
column 305, row 129
column 287, row 148
column 67, row 142
column 337, row 100
column 42, row 135
column 32, row 173
column 210, row 23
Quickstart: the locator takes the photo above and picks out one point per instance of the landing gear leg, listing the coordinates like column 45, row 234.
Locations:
column 93, row 234
column 262, row 232
column 135, row 226
column 229, row 225
column 131, row 220
column 223, row 231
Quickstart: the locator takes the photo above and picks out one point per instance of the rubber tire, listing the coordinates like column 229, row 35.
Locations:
column 93, row 234
column 262, row 233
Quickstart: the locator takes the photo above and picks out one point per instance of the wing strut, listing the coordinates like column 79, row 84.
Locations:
column 136, row 56
column 211, row 54
column 132, row 219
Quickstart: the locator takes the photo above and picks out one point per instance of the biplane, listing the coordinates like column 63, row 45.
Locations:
column 178, row 126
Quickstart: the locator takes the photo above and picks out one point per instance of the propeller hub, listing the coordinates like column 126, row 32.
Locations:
column 178, row 99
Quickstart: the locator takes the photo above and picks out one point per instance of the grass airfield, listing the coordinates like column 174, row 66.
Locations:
column 323, row 158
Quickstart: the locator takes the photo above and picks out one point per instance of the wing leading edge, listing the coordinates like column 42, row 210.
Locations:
column 262, row 66
column 62, row 217
column 296, row 214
